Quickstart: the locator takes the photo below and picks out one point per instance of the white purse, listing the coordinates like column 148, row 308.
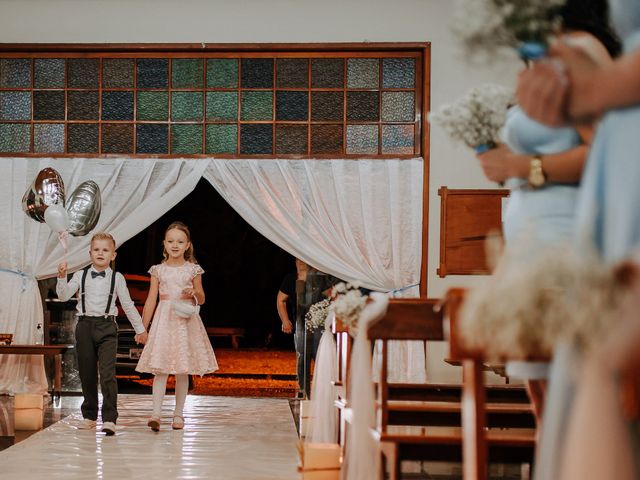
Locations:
column 185, row 309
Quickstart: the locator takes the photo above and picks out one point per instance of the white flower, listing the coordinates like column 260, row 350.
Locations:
column 348, row 305
column 476, row 118
column 486, row 26
column 317, row 314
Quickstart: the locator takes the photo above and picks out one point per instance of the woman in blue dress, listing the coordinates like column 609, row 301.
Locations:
column 608, row 217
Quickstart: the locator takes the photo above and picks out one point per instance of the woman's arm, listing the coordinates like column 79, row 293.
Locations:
column 150, row 303
column 501, row 163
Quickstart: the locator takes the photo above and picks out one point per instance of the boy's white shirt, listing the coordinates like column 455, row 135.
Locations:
column 97, row 295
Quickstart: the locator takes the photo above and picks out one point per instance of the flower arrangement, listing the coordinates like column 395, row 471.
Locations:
column 476, row 118
column 348, row 304
column 317, row 314
column 485, row 26
column 525, row 307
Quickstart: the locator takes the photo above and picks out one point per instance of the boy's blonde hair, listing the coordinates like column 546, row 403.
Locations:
column 103, row 236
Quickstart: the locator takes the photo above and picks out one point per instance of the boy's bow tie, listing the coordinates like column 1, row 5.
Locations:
column 97, row 274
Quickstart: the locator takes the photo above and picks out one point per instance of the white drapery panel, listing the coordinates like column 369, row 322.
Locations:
column 135, row 192
column 360, row 220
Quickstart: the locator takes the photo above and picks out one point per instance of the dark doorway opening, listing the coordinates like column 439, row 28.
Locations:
column 243, row 270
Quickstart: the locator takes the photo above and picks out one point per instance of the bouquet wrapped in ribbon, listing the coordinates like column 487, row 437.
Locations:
column 486, row 26
column 476, row 118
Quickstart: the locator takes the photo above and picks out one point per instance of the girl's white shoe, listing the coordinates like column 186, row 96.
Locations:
column 178, row 423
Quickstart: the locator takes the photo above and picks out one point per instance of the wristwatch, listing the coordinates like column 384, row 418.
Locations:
column 536, row 175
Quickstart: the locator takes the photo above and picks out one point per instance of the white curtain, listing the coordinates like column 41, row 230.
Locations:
column 360, row 220
column 135, row 192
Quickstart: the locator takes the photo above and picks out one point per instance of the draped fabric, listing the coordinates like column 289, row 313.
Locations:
column 360, row 220
column 135, row 192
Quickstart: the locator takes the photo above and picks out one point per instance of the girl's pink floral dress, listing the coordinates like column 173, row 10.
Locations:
column 176, row 345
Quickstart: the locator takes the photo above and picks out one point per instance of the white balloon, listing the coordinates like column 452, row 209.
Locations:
column 57, row 218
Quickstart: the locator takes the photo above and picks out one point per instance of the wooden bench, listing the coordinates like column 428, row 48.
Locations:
column 234, row 333
column 477, row 440
column 432, row 429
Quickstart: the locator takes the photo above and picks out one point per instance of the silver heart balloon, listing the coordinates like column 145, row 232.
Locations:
column 47, row 189
column 84, row 206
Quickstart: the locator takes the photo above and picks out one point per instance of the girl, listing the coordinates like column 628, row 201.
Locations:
column 178, row 343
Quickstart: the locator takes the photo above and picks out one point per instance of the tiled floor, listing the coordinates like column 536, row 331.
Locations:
column 226, row 438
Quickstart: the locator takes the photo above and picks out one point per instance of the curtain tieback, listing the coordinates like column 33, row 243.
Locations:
column 398, row 290
column 25, row 276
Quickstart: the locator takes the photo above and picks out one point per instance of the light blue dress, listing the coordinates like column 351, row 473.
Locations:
column 607, row 214
column 608, row 211
column 544, row 215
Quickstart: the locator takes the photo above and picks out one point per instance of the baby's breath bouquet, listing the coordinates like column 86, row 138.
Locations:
column 317, row 314
column 486, row 26
column 528, row 305
column 476, row 118
column 348, row 304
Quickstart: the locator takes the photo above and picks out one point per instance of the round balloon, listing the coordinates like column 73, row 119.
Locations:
column 47, row 189
column 57, row 218
column 84, row 206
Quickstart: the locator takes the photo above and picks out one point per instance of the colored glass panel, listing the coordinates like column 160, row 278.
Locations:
column 363, row 106
column 83, row 73
column 186, row 139
column 362, row 139
column 327, row 73
column 117, row 73
column 117, row 105
column 398, row 139
column 257, row 106
column 49, row 72
column 398, row 72
column 48, row 138
column 48, row 105
column 15, row 105
column 186, row 106
column 292, row 105
column 222, row 73
column 326, row 139
column 15, row 73
column 152, row 138
column 222, row 106
column 186, row 73
column 152, row 72
column 363, row 73
column 82, row 138
column 222, row 138
column 257, row 73
column 327, row 106
column 82, row 105
column 398, row 107
column 153, row 105
column 291, row 139
column 117, row 138
column 15, row 137
column 256, row 139
column 292, row 73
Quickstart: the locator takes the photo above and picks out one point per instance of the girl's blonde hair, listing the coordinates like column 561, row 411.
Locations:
column 189, row 255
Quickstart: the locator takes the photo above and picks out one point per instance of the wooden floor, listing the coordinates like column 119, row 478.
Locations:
column 224, row 437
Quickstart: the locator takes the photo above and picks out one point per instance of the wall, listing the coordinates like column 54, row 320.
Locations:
column 245, row 21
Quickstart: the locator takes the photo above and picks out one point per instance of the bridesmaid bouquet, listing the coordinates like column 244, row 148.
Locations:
column 489, row 25
column 476, row 118
column 317, row 315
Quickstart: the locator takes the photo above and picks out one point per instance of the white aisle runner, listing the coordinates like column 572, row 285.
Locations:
column 224, row 438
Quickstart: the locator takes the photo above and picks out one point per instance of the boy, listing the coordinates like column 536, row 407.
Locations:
column 96, row 332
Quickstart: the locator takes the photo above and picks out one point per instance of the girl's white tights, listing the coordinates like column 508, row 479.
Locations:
column 160, row 387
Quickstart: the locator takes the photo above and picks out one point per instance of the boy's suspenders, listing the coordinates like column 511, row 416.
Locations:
column 111, row 290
